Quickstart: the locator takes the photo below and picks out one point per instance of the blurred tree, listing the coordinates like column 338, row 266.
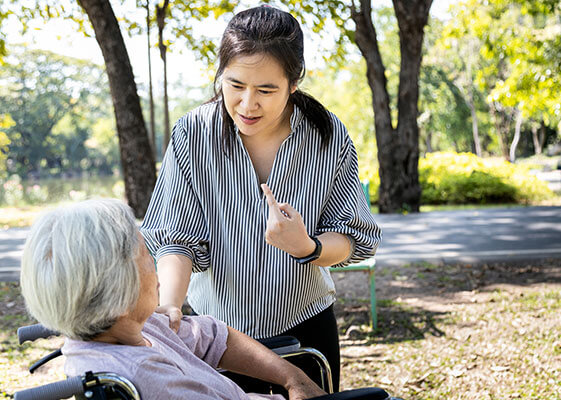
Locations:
column 5, row 122
column 138, row 163
column 3, row 15
column 443, row 112
column 52, row 100
column 461, row 63
column 519, row 69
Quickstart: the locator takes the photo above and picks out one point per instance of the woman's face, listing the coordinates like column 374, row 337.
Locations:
column 255, row 91
column 148, row 296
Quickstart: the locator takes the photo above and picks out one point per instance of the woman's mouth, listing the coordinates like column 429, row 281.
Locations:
column 249, row 120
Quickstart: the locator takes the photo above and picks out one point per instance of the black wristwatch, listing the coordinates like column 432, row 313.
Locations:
column 312, row 257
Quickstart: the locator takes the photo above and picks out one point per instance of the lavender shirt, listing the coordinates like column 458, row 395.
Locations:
column 178, row 365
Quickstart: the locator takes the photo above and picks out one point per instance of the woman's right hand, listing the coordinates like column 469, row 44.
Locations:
column 174, row 314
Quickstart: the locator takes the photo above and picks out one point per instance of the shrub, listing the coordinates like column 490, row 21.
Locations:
column 464, row 178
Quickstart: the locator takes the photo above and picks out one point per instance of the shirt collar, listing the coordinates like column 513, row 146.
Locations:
column 296, row 118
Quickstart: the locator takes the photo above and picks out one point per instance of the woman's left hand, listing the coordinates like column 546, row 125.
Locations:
column 285, row 228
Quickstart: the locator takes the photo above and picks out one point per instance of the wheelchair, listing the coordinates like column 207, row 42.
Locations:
column 109, row 386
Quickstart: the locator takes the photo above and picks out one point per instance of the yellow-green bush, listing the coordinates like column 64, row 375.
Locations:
column 464, row 178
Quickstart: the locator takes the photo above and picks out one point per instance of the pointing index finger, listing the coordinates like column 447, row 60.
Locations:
column 271, row 201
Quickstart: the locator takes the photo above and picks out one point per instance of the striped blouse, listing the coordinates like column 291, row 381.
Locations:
column 210, row 208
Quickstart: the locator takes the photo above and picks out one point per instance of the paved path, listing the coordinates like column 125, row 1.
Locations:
column 521, row 233
column 445, row 236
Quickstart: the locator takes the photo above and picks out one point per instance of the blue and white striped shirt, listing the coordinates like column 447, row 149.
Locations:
column 210, row 208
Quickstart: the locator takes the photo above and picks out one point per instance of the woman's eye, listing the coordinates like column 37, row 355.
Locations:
column 237, row 87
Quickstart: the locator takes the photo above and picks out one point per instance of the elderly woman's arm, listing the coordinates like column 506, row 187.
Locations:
column 249, row 357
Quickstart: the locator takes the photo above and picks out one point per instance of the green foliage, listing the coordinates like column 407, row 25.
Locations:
column 3, row 15
column 444, row 115
column 54, row 101
column 518, row 54
column 5, row 122
column 464, row 178
column 452, row 178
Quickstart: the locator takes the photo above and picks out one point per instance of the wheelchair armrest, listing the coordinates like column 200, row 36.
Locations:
column 358, row 394
column 281, row 344
column 101, row 385
column 34, row 332
column 56, row 390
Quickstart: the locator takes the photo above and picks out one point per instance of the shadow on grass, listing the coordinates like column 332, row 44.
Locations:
column 399, row 321
column 396, row 322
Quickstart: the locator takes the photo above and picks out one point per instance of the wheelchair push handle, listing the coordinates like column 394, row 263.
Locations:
column 34, row 332
column 53, row 391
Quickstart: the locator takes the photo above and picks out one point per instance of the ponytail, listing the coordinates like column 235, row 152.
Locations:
column 316, row 113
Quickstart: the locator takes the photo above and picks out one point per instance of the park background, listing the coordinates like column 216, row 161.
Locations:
column 489, row 131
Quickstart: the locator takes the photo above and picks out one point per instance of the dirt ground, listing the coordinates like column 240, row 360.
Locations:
column 489, row 331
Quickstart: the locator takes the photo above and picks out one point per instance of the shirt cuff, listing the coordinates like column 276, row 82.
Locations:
column 174, row 249
column 352, row 241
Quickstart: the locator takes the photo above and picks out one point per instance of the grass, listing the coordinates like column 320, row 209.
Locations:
column 22, row 201
column 459, row 332
column 19, row 217
column 483, row 332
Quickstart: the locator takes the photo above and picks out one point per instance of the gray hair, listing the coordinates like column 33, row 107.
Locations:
column 78, row 271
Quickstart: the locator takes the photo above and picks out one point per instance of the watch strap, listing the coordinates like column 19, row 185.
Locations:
column 312, row 257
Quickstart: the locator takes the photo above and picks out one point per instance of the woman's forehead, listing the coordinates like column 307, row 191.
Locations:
column 259, row 67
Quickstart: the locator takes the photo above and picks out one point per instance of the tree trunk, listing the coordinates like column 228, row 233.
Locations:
column 150, row 91
column 501, row 126
column 136, row 156
column 542, row 135
column 538, row 138
column 471, row 103
column 475, row 129
column 512, row 155
column 161, row 17
column 398, row 148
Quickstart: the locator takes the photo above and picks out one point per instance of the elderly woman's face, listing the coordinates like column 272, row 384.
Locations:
column 148, row 296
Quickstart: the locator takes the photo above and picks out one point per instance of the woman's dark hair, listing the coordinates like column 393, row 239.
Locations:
column 276, row 33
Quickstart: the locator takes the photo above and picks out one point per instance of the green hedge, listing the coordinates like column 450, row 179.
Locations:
column 464, row 178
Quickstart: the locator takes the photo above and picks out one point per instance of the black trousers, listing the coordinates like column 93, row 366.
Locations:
column 319, row 332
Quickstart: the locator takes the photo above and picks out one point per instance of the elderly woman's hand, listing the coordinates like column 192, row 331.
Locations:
column 301, row 387
column 174, row 314
column 285, row 228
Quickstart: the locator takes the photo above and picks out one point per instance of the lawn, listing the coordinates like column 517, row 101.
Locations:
column 445, row 332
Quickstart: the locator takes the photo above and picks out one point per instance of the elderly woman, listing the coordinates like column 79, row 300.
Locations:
column 87, row 273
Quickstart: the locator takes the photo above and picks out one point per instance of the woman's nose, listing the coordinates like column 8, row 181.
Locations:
column 249, row 100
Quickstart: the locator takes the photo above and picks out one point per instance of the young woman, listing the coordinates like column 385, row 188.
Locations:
column 258, row 192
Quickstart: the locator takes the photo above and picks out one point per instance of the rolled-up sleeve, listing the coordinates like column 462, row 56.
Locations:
column 175, row 222
column 346, row 210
